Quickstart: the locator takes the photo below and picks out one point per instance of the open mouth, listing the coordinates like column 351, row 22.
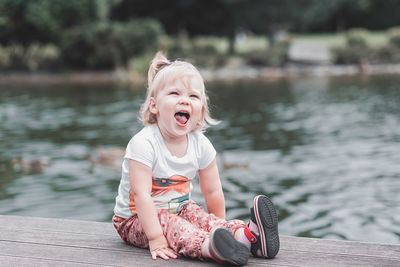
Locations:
column 182, row 117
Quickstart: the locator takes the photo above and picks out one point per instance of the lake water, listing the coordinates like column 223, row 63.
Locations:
column 326, row 150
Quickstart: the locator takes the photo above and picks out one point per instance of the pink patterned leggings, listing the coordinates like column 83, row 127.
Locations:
column 185, row 232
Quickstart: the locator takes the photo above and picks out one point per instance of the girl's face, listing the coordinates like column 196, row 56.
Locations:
column 178, row 106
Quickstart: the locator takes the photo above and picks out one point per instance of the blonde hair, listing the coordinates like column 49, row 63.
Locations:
column 162, row 70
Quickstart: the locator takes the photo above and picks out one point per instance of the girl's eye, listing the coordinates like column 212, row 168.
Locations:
column 195, row 96
column 173, row 93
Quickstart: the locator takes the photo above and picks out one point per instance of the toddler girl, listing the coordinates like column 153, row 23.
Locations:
column 154, row 208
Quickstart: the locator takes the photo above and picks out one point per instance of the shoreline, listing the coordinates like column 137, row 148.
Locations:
column 227, row 75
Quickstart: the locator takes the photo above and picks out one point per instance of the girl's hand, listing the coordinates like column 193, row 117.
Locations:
column 159, row 248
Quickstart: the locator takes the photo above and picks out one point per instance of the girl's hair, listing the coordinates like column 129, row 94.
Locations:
column 161, row 71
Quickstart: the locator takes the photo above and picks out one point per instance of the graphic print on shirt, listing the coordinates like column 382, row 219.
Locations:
column 169, row 193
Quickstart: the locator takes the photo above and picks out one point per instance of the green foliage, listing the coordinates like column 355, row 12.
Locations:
column 390, row 52
column 107, row 45
column 202, row 51
column 179, row 47
column 357, row 38
column 31, row 58
column 356, row 49
column 276, row 55
column 194, row 16
column 44, row 21
column 205, row 52
column 99, row 34
column 394, row 36
column 140, row 65
column 386, row 54
column 350, row 55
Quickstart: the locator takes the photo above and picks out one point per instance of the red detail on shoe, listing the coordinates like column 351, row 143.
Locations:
column 249, row 235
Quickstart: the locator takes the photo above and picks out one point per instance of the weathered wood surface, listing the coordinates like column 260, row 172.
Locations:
column 30, row 241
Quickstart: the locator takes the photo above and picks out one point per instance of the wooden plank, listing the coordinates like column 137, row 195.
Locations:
column 53, row 224
column 142, row 257
column 114, row 242
column 32, row 262
column 99, row 257
column 307, row 258
column 99, row 240
column 29, row 241
column 341, row 247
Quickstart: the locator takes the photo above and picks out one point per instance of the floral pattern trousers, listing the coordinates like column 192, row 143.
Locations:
column 185, row 232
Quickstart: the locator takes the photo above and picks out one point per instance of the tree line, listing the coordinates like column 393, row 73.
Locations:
column 26, row 21
column 106, row 33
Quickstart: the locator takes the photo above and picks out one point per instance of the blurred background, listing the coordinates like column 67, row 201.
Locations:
column 307, row 91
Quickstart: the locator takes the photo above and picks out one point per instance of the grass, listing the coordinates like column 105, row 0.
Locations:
column 259, row 43
column 327, row 39
column 251, row 43
column 374, row 39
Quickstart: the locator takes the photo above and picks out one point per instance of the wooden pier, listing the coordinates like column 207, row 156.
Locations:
column 31, row 241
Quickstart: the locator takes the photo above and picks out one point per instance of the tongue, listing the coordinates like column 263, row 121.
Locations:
column 181, row 118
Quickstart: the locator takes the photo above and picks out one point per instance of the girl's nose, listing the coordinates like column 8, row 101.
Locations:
column 183, row 101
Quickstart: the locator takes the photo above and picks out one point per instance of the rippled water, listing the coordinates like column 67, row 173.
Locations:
column 325, row 150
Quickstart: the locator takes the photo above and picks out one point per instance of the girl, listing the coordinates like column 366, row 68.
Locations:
column 153, row 207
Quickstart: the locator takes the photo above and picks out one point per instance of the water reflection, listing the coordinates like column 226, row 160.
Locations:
column 326, row 150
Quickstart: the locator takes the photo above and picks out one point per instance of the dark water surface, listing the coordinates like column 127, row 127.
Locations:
column 326, row 150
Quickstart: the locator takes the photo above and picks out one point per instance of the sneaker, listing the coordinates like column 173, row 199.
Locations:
column 224, row 249
column 264, row 215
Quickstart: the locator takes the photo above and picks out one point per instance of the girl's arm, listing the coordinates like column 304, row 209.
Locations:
column 210, row 185
column 141, row 178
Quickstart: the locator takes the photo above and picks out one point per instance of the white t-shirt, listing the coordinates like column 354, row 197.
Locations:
column 172, row 176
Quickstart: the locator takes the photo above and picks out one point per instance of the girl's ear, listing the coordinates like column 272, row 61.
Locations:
column 152, row 106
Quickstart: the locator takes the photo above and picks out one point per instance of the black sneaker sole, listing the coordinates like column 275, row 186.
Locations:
column 227, row 249
column 266, row 218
